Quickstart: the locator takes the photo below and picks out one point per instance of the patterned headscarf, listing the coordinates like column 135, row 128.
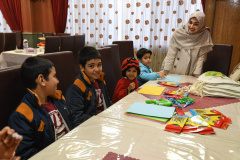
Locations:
column 181, row 38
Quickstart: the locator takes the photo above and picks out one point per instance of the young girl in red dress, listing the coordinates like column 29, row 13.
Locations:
column 127, row 84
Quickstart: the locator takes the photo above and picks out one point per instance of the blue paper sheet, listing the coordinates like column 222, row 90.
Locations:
column 171, row 79
column 151, row 110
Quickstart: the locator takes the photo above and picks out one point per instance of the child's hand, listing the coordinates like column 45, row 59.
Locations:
column 131, row 87
column 9, row 141
column 162, row 74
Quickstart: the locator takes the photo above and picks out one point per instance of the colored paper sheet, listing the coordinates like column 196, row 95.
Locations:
column 152, row 90
column 156, row 119
column 171, row 79
column 151, row 110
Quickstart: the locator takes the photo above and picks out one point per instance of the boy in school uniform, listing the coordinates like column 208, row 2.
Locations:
column 88, row 95
column 42, row 116
column 146, row 74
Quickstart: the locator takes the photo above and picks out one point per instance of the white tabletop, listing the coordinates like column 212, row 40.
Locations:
column 117, row 110
column 15, row 57
column 98, row 136
column 112, row 131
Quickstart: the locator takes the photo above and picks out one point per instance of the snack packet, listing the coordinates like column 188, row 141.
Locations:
column 170, row 92
column 217, row 121
column 173, row 84
column 209, row 112
column 213, row 117
column 202, row 126
column 176, row 123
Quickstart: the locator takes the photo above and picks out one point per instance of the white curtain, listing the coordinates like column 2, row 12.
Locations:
column 151, row 23
column 96, row 19
column 4, row 27
column 148, row 23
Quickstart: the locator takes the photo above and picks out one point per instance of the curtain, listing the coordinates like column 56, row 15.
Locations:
column 60, row 8
column 203, row 5
column 148, row 23
column 11, row 10
column 151, row 23
column 96, row 19
column 4, row 27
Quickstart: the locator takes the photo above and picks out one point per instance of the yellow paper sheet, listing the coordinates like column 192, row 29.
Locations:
column 152, row 90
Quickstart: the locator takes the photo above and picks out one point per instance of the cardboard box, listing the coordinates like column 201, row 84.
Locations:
column 32, row 50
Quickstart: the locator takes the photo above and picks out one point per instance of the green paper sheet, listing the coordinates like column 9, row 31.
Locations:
column 149, row 117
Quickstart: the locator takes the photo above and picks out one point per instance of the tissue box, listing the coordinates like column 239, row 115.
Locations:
column 32, row 50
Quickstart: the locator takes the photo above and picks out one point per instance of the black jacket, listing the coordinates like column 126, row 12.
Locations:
column 82, row 99
column 33, row 122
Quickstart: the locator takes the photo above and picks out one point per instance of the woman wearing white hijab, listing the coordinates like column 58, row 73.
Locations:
column 188, row 47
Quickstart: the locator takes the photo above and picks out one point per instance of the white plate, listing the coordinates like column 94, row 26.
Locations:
column 19, row 51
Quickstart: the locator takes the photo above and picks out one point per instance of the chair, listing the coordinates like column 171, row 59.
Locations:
column 219, row 59
column 52, row 44
column 45, row 34
column 67, row 43
column 63, row 34
column 63, row 62
column 12, row 92
column 108, row 69
column 79, row 43
column 125, row 49
column 115, row 63
column 19, row 39
column 9, row 41
column 1, row 42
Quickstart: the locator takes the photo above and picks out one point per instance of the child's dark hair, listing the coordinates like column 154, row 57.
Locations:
column 32, row 67
column 87, row 54
column 141, row 52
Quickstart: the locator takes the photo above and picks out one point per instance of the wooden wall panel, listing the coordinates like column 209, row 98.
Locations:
column 42, row 19
column 226, row 28
column 210, row 13
column 37, row 16
column 26, row 16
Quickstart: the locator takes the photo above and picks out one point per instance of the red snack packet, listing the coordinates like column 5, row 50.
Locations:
column 176, row 123
column 197, row 124
column 173, row 84
column 179, row 111
column 219, row 121
column 209, row 112
column 170, row 92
